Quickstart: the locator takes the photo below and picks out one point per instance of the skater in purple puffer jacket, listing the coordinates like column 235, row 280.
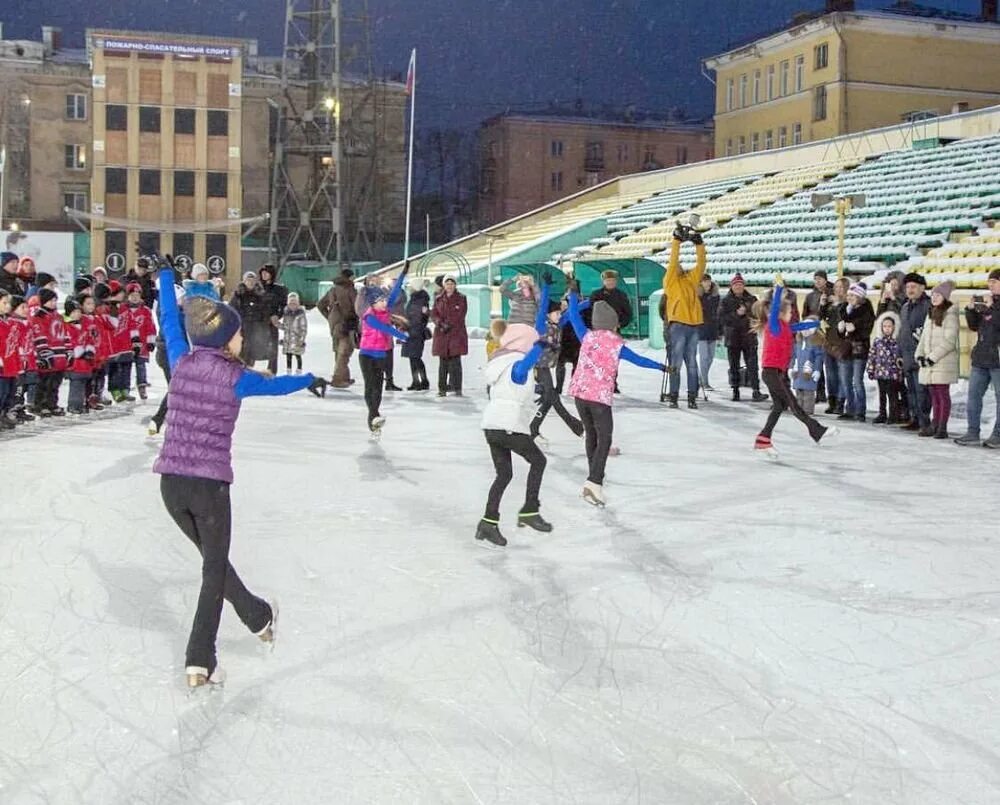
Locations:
column 208, row 383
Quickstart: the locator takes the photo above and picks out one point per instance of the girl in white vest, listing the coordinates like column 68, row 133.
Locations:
column 507, row 423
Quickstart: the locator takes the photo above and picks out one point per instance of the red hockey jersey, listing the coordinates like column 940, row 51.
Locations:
column 10, row 347
column 84, row 338
column 141, row 328
column 49, row 332
column 26, row 344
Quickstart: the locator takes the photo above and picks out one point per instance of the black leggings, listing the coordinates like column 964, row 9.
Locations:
column 783, row 399
column 201, row 509
column 889, row 393
column 599, row 425
column 418, row 371
column 161, row 412
column 288, row 361
column 502, row 445
column 450, row 374
column 373, row 372
column 551, row 399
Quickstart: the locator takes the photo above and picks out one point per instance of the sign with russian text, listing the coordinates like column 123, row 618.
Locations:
column 188, row 49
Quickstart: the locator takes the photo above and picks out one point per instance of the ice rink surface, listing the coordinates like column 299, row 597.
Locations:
column 729, row 630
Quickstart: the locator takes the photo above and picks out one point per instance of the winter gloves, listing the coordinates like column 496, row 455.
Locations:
column 925, row 362
column 318, row 386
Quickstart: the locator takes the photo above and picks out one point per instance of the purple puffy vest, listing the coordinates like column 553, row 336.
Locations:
column 201, row 417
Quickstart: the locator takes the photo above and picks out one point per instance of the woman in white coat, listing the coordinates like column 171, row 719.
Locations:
column 937, row 355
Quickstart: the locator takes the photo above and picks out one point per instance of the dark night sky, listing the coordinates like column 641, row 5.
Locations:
column 479, row 56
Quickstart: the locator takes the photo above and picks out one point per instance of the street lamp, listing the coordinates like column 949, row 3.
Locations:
column 842, row 205
column 3, row 173
column 489, row 267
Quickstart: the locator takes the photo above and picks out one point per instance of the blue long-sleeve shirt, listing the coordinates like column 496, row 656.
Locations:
column 250, row 383
column 625, row 354
column 521, row 370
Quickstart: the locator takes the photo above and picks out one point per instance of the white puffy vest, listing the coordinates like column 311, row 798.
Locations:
column 511, row 406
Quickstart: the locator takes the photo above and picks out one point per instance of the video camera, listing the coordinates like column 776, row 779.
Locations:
column 687, row 229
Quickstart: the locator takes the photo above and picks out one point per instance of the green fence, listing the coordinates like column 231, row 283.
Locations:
column 638, row 278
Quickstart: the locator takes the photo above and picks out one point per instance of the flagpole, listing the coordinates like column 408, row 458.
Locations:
column 409, row 172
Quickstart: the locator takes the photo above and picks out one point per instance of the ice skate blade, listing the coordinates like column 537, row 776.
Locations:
column 829, row 436
column 198, row 677
column 766, row 452
column 269, row 634
column 593, row 500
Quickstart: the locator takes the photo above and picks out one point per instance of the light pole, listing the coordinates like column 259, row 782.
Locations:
column 489, row 266
column 3, row 175
column 842, row 205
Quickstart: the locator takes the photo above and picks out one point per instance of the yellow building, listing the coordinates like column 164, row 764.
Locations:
column 844, row 71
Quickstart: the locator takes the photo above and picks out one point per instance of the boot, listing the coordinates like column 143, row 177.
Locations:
column 672, row 401
column 968, row 440
column 23, row 415
column 927, row 431
column 880, row 419
column 142, row 392
column 693, row 403
column 839, row 410
column 489, row 530
column 6, row 424
column 736, row 394
column 941, row 432
column 199, row 677
column 758, row 397
column 533, row 520
column 390, row 386
column 594, row 494
column 831, row 405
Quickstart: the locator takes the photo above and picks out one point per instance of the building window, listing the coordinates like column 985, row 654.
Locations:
column 743, row 90
column 822, row 56
column 184, row 245
column 770, row 82
column 556, row 148
column 682, row 154
column 756, row 86
column 184, row 183
column 149, row 183
column 115, row 243
column 784, row 78
column 800, row 73
column 730, row 94
column 556, row 180
column 755, row 141
column 649, row 161
column 769, row 139
column 76, row 107
column 729, row 147
column 218, row 185
column 75, row 199
column 183, row 121
column 594, row 159
column 623, row 152
column 149, row 119
column 782, row 136
column 215, row 246
column 796, row 134
column 115, row 117
column 743, row 144
column 149, row 242
column 218, row 123
column 819, row 103
column 75, row 157
column 115, row 180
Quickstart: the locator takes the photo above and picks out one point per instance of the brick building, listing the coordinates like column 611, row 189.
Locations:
column 529, row 160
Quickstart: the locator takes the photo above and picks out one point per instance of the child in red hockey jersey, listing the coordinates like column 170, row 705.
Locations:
column 10, row 362
column 83, row 338
column 49, row 333
column 27, row 379
column 138, row 320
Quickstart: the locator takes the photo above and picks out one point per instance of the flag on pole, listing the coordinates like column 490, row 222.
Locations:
column 411, row 73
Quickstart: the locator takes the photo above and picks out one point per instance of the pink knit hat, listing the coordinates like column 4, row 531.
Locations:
column 518, row 338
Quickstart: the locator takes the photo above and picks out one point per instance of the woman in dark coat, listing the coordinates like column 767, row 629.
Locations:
column 418, row 310
column 708, row 331
column 277, row 300
column 254, row 308
column 451, row 339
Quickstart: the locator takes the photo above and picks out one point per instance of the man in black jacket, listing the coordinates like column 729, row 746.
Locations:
column 983, row 317
column 741, row 340
column 912, row 316
column 9, row 281
column 614, row 296
column 276, row 297
column 140, row 274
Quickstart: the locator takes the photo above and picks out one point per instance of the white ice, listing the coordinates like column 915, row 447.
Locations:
column 730, row 630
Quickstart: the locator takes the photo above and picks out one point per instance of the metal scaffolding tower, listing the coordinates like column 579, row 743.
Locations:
column 323, row 199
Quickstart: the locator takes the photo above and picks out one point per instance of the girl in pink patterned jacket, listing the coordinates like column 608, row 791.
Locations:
column 593, row 386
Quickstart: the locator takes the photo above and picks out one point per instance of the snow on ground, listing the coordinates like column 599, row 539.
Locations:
column 729, row 630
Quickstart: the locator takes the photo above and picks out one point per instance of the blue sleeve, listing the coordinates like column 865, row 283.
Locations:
column 254, row 384
column 397, row 289
column 772, row 318
column 646, row 363
column 170, row 319
column 802, row 326
column 520, row 371
column 564, row 318
column 574, row 317
column 375, row 324
column 543, row 312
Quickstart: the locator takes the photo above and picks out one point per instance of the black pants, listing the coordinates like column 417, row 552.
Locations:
column 599, row 426
column 502, row 445
column 418, row 372
column 389, row 364
column 889, row 395
column 201, row 509
column 450, row 374
column 288, row 361
column 561, row 374
column 551, row 399
column 47, row 394
column 373, row 372
column 747, row 350
column 161, row 360
column 783, row 399
column 272, row 350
